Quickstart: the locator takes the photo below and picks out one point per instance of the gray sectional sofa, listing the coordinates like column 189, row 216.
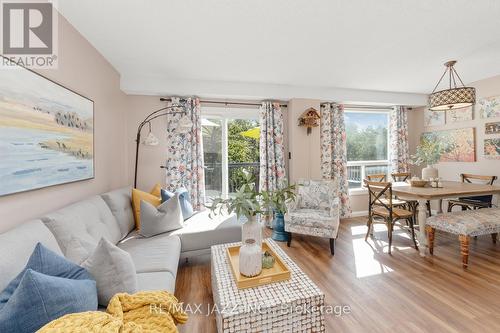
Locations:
column 75, row 230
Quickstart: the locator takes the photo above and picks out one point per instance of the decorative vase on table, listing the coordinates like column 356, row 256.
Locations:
column 250, row 259
column 279, row 233
column 429, row 172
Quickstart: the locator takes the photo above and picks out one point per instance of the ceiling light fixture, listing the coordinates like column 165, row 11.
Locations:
column 456, row 96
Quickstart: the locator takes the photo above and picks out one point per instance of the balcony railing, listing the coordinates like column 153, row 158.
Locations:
column 357, row 171
column 235, row 179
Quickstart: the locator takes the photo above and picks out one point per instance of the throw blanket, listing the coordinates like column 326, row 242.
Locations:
column 147, row 311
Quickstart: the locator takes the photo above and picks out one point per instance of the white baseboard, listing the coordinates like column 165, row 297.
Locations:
column 359, row 213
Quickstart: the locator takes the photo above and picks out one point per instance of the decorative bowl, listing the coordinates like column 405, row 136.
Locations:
column 418, row 183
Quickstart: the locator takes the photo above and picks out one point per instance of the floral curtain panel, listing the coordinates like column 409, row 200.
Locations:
column 272, row 149
column 334, row 152
column 399, row 150
column 184, row 165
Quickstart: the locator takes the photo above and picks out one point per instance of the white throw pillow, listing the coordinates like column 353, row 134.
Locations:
column 112, row 269
column 166, row 217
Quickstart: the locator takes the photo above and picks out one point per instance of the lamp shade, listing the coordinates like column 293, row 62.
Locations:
column 449, row 99
column 151, row 140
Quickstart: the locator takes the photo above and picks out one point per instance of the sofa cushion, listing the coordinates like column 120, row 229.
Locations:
column 137, row 197
column 478, row 222
column 45, row 261
column 201, row 231
column 156, row 281
column 157, row 220
column 41, row 298
column 154, row 254
column 113, row 271
column 184, row 200
column 120, row 203
column 88, row 220
column 16, row 247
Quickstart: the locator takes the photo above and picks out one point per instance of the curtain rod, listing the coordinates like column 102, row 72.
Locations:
column 163, row 99
column 362, row 107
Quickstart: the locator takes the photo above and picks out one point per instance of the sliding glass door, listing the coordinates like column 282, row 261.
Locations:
column 230, row 150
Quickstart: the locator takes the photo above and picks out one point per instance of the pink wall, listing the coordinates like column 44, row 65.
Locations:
column 84, row 70
column 150, row 157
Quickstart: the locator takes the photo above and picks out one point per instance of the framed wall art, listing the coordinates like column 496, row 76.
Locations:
column 492, row 128
column 458, row 144
column 434, row 118
column 459, row 115
column 489, row 107
column 46, row 132
column 492, row 148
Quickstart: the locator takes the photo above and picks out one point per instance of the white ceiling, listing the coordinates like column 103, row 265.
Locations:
column 383, row 45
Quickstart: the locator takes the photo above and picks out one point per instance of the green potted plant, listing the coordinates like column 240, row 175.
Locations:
column 276, row 203
column 246, row 203
column 428, row 153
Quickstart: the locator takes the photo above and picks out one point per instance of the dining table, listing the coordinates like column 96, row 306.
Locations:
column 448, row 190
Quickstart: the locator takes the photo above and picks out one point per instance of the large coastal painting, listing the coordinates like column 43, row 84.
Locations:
column 46, row 133
column 458, row 145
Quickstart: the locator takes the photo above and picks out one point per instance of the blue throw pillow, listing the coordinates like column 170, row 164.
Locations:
column 40, row 298
column 45, row 261
column 186, row 207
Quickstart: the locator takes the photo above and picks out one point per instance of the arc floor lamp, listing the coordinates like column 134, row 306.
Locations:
column 184, row 126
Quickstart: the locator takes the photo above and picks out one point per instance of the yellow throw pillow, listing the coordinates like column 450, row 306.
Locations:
column 137, row 196
column 156, row 191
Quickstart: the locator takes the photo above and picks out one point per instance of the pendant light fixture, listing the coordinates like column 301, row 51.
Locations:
column 456, row 97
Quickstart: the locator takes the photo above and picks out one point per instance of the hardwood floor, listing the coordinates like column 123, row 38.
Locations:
column 401, row 292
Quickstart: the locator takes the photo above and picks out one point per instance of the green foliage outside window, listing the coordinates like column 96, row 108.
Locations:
column 368, row 144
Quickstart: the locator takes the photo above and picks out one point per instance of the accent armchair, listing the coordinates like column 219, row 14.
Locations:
column 315, row 212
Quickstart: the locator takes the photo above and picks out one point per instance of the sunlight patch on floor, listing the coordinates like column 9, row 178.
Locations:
column 364, row 252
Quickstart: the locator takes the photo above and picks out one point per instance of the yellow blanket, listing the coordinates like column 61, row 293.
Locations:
column 142, row 312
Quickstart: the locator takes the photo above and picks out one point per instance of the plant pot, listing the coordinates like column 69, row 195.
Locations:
column 429, row 172
column 279, row 233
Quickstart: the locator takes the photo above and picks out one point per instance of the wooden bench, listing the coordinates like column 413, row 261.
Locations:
column 465, row 224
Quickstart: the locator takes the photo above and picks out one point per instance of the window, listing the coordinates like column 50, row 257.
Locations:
column 367, row 144
column 230, row 149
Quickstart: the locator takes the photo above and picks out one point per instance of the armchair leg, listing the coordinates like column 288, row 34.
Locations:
column 332, row 246
column 289, row 241
column 494, row 237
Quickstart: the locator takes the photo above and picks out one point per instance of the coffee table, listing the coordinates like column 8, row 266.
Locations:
column 295, row 305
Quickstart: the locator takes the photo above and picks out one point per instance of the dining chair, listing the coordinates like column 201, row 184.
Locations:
column 376, row 177
column 412, row 204
column 380, row 177
column 477, row 202
column 380, row 205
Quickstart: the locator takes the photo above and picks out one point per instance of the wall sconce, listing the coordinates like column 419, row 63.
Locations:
column 310, row 118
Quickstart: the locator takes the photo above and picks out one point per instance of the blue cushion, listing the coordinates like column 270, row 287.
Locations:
column 41, row 298
column 45, row 261
column 186, row 207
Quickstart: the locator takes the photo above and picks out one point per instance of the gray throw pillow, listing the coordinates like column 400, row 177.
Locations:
column 113, row 270
column 165, row 217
